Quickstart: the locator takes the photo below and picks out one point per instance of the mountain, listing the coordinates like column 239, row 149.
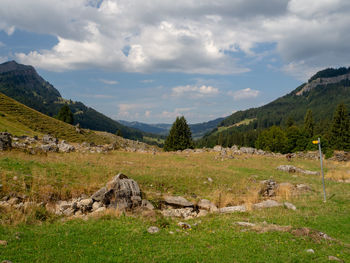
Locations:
column 321, row 94
column 198, row 130
column 161, row 129
column 24, row 84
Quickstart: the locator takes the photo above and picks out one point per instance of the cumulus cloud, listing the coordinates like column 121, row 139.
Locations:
column 194, row 91
column 242, row 94
column 182, row 36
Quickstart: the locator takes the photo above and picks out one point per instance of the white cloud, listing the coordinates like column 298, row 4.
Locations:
column 109, row 82
column 194, row 91
column 182, row 36
column 147, row 81
column 242, row 94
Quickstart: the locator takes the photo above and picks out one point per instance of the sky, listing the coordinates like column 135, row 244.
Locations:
column 153, row 60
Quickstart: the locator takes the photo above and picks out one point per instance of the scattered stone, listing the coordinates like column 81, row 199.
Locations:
column 185, row 213
column 96, row 205
column 245, row 224
column 68, row 212
column 247, row 150
column 3, row 243
column 202, row 213
column 99, row 195
column 217, row 148
column 310, row 250
column 293, row 169
column 85, row 205
column 147, row 204
column 207, row 205
column 269, row 188
column 6, row 261
column 210, row 180
column 289, row 206
column 266, row 204
column 177, row 201
column 333, row 258
column 99, row 210
column 153, row 230
column 65, row 147
column 48, row 139
column 184, row 225
column 233, row 209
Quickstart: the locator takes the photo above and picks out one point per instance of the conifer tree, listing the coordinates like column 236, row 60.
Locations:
column 180, row 136
column 340, row 134
column 309, row 124
column 65, row 114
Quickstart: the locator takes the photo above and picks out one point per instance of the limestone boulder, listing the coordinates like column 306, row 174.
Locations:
column 177, row 201
column 207, row 205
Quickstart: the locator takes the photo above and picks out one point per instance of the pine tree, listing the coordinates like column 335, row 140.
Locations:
column 309, row 124
column 180, row 137
column 65, row 114
column 340, row 134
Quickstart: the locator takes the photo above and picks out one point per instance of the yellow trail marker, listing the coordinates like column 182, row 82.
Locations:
column 315, row 142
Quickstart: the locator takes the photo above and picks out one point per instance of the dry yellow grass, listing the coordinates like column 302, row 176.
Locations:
column 339, row 171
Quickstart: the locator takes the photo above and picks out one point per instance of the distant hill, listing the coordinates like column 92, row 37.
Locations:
column 23, row 84
column 321, row 94
column 20, row 120
column 198, row 130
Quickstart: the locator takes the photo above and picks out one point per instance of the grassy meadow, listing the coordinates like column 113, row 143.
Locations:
column 37, row 236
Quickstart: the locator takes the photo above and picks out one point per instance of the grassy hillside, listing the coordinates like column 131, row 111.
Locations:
column 115, row 237
column 19, row 119
column 322, row 100
column 24, row 84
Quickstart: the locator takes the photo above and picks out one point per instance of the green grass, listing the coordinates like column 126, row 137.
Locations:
column 216, row 238
column 20, row 120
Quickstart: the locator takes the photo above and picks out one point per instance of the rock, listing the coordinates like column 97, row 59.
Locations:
column 123, row 193
column 100, row 195
column 48, row 139
column 289, row 206
column 233, row 209
column 186, row 213
column 49, row 147
column 202, row 213
column 5, row 141
column 269, row 188
column 6, row 261
column 153, row 230
column 245, row 224
column 3, row 243
column 333, row 258
column 147, row 204
column 293, row 169
column 247, row 150
column 96, row 205
column 266, row 204
column 99, row 210
column 85, row 205
column 210, row 180
column 177, row 201
column 63, row 205
column 184, row 225
column 65, row 147
column 207, row 205
column 68, row 212
column 310, row 250
column 217, row 148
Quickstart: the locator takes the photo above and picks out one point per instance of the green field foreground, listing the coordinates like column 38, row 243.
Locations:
column 214, row 238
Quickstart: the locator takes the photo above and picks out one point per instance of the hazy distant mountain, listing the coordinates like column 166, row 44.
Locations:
column 24, row 84
column 198, row 129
